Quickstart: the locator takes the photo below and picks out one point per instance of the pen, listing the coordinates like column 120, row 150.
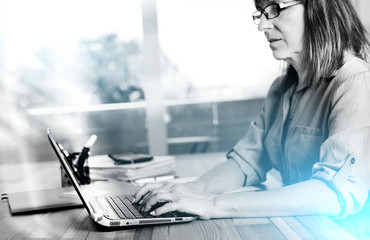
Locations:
column 82, row 167
column 91, row 141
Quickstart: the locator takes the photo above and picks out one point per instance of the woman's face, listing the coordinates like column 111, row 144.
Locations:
column 285, row 32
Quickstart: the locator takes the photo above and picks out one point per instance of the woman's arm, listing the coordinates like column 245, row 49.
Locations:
column 304, row 198
column 224, row 177
column 200, row 197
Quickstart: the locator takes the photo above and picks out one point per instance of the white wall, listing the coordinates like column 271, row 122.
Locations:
column 363, row 7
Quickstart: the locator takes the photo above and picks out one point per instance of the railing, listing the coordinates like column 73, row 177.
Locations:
column 202, row 125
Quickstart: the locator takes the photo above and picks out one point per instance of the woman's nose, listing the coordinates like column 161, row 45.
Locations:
column 264, row 24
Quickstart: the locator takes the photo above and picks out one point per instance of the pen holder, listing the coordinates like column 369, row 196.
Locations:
column 66, row 182
column 78, row 163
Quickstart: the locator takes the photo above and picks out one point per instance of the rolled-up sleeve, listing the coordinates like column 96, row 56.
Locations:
column 345, row 154
column 249, row 153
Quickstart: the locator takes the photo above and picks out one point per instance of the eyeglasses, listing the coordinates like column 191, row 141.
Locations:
column 273, row 10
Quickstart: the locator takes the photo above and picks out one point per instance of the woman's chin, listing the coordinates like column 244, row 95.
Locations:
column 278, row 55
column 289, row 58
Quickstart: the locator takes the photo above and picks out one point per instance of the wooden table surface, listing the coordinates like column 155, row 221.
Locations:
column 76, row 224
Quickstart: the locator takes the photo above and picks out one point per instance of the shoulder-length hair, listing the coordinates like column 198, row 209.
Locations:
column 332, row 27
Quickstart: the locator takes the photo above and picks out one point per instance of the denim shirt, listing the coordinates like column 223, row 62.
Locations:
column 315, row 131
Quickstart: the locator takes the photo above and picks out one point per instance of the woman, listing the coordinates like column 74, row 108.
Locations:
column 313, row 127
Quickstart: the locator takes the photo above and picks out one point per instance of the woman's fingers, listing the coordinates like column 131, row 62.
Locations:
column 175, row 197
column 201, row 209
column 146, row 189
column 157, row 198
column 149, row 194
column 150, row 187
column 168, row 207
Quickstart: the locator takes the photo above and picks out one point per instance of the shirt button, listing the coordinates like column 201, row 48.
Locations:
column 290, row 117
column 353, row 160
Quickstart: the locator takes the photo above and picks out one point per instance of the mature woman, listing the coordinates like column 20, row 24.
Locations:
column 313, row 128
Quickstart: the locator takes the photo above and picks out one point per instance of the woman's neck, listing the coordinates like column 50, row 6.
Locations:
column 302, row 74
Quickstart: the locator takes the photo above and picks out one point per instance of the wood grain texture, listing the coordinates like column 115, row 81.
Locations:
column 260, row 231
column 324, row 228
column 299, row 228
column 285, row 229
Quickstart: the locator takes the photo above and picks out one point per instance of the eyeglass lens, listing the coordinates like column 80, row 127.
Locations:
column 270, row 12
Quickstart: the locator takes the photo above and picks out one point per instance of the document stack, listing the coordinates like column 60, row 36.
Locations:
column 104, row 168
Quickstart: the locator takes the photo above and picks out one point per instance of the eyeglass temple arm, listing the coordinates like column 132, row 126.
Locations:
column 288, row 4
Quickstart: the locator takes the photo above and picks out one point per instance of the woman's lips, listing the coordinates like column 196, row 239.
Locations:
column 274, row 41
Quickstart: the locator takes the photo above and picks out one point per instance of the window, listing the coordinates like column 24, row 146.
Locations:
column 216, row 69
column 212, row 49
column 62, row 53
column 79, row 68
column 61, row 60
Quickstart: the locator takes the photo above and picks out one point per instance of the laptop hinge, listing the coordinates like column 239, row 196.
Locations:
column 96, row 213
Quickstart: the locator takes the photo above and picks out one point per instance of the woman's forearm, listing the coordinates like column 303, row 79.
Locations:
column 305, row 198
column 224, row 177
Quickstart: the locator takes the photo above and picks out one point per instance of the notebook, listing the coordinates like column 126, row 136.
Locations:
column 40, row 200
column 114, row 209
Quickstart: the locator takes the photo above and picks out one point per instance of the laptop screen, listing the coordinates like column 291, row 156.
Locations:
column 67, row 168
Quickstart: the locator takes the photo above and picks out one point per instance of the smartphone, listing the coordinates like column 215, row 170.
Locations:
column 130, row 158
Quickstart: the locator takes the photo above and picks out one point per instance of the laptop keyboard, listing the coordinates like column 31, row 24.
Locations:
column 125, row 209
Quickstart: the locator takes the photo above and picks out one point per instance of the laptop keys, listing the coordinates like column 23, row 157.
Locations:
column 126, row 209
column 128, row 203
column 116, row 208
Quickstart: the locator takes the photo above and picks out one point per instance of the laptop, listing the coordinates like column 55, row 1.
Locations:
column 111, row 209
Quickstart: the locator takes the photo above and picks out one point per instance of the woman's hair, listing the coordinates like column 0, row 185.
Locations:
column 331, row 28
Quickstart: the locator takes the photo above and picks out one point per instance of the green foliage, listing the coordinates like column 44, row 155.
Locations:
column 111, row 75
column 105, row 70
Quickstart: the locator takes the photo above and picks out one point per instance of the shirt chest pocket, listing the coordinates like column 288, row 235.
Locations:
column 303, row 148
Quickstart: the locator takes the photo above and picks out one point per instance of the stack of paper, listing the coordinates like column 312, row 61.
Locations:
column 102, row 166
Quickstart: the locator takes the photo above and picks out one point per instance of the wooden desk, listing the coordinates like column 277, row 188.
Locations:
column 75, row 223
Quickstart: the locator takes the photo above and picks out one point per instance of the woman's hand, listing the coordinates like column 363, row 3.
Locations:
column 176, row 197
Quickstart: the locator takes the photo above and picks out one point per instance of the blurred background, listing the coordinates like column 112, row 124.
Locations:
column 158, row 77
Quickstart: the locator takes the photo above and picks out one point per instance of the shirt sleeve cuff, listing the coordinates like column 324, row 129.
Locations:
column 251, row 175
column 351, row 191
